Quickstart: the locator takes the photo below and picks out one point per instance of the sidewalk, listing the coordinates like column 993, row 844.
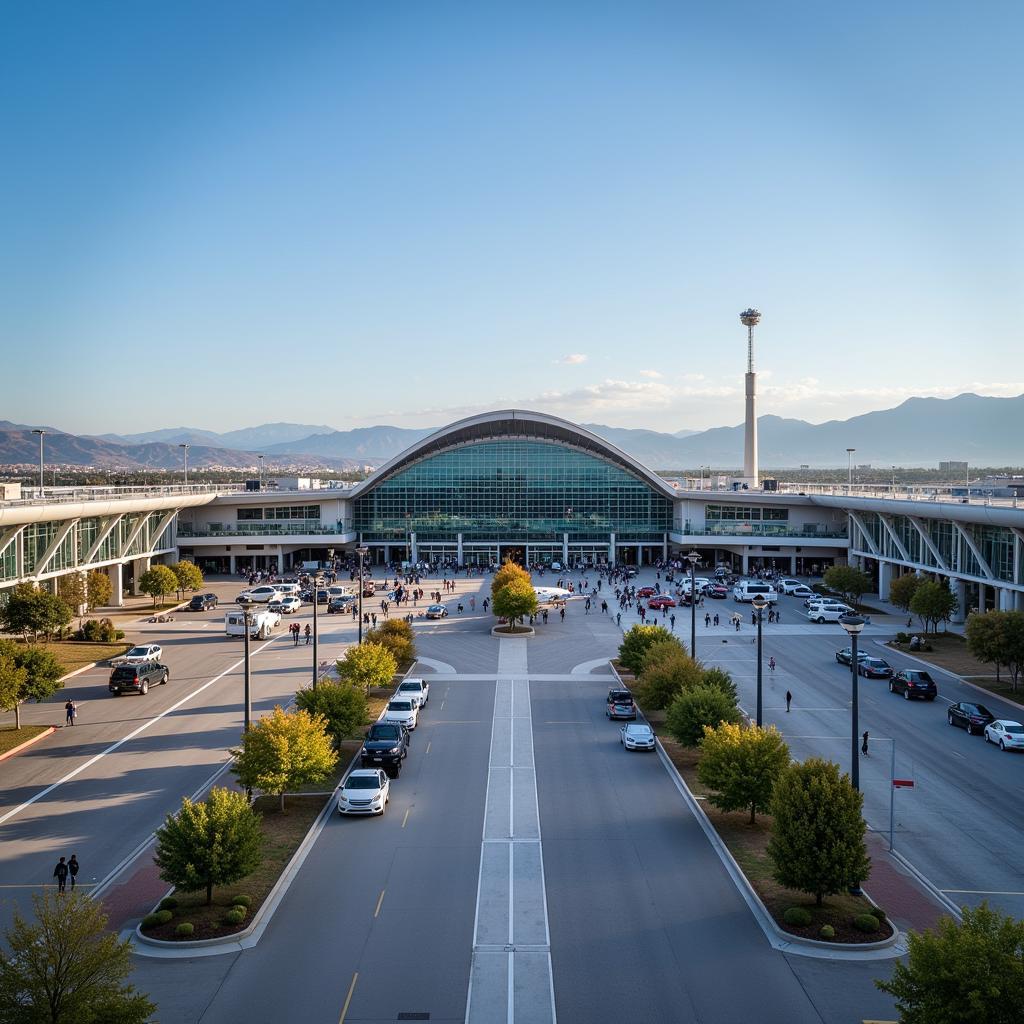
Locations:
column 909, row 904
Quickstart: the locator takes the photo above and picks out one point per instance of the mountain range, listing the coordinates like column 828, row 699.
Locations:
column 981, row 430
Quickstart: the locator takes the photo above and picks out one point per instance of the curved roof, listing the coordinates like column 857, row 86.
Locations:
column 518, row 424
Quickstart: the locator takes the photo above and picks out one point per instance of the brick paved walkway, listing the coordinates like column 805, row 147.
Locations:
column 908, row 904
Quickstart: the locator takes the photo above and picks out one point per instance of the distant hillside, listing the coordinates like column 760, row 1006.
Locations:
column 361, row 443
column 248, row 438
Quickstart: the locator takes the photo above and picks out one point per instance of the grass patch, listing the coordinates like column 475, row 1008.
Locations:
column 75, row 654
column 282, row 834
column 11, row 737
column 949, row 651
column 749, row 846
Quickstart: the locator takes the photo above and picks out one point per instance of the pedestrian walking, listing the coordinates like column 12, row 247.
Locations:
column 672, row 620
column 460, row 607
column 545, row 616
column 60, row 872
column 737, row 623
column 618, row 619
column 309, row 634
column 771, row 664
column 864, row 744
column 716, row 618
column 73, row 865
column 789, row 700
column 69, row 713
column 707, row 620
column 561, row 613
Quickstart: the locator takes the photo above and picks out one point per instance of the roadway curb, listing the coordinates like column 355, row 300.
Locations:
column 28, row 743
column 937, row 894
column 785, row 942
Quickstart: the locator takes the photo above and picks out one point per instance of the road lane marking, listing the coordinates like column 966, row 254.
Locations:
column 442, row 705
column 406, row 818
column 983, row 892
column 348, row 998
column 135, row 732
column 427, row 751
column 376, row 913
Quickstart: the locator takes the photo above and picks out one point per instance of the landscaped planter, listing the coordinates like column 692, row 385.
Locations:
column 513, row 632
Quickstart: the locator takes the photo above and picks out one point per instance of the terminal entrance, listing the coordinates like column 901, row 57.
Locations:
column 515, row 552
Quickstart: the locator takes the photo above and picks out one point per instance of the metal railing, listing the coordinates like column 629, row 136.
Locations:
column 70, row 495
column 766, row 530
column 261, row 529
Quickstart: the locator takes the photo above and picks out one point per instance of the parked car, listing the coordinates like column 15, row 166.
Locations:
column 620, row 704
column 802, row 591
column 1009, row 735
column 138, row 655
column 137, row 677
column 416, row 690
column 914, row 682
column 969, row 716
column 824, row 613
column 364, row 791
column 285, row 606
column 845, row 656
column 873, row 668
column 386, row 745
column 788, row 586
column 436, row 611
column 556, row 566
column 646, row 592
column 402, row 710
column 340, row 605
column 716, row 591
column 369, row 588
column 660, row 601
column 637, row 736
column 202, row 602
column 259, row 594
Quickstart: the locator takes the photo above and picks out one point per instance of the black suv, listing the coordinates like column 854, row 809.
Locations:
column 385, row 746
column 620, row 704
column 913, row 682
column 972, row 717
column 202, row 603
column 138, row 678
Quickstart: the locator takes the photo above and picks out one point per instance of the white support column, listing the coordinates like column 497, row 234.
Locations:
column 611, row 548
column 280, row 559
column 959, row 590
column 565, row 549
column 231, row 565
column 458, row 548
column 884, row 580
column 664, row 548
column 116, row 584
column 413, row 548
column 1006, row 601
column 745, row 563
column 982, row 597
column 792, row 565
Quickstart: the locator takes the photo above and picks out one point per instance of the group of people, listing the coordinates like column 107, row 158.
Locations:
column 296, row 631
column 64, row 870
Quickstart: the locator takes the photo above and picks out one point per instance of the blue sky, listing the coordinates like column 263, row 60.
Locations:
column 219, row 214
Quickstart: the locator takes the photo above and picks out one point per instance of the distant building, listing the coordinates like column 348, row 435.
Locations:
column 952, row 467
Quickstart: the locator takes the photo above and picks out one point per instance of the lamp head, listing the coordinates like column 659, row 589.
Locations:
column 693, row 558
column 759, row 603
column 362, row 552
column 750, row 318
column 853, row 624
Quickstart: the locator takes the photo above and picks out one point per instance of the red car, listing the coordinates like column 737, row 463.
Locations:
column 718, row 593
column 661, row 601
column 646, row 592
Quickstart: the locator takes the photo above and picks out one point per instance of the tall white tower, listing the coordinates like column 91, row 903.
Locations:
column 750, row 318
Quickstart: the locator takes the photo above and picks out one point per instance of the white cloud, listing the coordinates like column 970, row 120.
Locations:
column 652, row 374
column 573, row 359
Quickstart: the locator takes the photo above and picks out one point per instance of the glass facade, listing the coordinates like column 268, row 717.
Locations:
column 515, row 489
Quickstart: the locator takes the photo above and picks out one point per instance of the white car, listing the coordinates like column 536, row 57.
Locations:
column 138, row 655
column 417, row 690
column 802, row 591
column 556, row 566
column 788, row 586
column 436, row 611
column 1009, row 735
column 286, row 605
column 821, row 613
column 364, row 791
column 260, row 595
column 404, row 711
column 637, row 736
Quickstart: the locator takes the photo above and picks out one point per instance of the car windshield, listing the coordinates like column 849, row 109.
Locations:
column 384, row 732
column 138, row 652
column 409, row 687
column 400, row 705
column 362, row 782
column 979, row 709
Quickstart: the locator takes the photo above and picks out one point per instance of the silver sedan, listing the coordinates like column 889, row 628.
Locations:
column 637, row 736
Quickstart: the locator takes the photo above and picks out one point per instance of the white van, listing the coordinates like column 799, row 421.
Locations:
column 261, row 624
column 747, row 590
column 288, row 589
column 338, row 591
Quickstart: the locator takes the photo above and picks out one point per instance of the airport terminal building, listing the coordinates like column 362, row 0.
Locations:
column 521, row 485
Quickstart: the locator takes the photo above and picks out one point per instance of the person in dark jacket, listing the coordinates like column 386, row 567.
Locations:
column 73, row 869
column 60, row 872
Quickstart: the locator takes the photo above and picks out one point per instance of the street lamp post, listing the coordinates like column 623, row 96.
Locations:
column 261, row 458
column 693, row 558
column 759, row 605
column 246, row 613
column 849, row 469
column 316, row 602
column 185, row 447
column 362, row 553
column 853, row 624
column 40, row 432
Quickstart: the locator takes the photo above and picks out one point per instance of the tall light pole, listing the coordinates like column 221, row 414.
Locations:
column 759, row 604
column 362, row 553
column 750, row 319
column 246, row 613
column 894, row 479
column 693, row 558
column 185, row 447
column 853, row 624
column 849, row 469
column 316, row 604
column 40, row 432
column 261, row 458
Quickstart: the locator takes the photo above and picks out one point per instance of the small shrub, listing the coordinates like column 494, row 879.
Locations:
column 879, row 913
column 827, row 932
column 241, row 900
column 237, row 916
column 167, row 903
column 151, row 921
column 163, row 916
column 118, row 634
column 185, row 930
column 902, row 638
column 866, row 923
column 797, row 917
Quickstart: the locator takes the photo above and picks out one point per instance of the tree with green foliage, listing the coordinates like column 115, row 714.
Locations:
column 40, row 673
column 635, row 643
column 211, row 842
column 515, row 601
column 12, row 681
column 283, row 751
column 661, row 682
column 847, row 581
column 397, row 636
column 933, row 603
column 73, row 591
column 662, row 650
column 722, row 680
column 997, row 638
column 817, row 842
column 188, row 575
column 508, row 573
column 902, row 590
column 66, row 968
column 33, row 612
column 962, row 973
column 367, row 665
column 740, row 765
column 98, row 590
column 342, row 706
column 157, row 582
column 695, row 708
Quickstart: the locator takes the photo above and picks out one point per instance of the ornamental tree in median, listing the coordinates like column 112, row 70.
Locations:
column 283, row 751
column 158, row 582
column 397, row 636
column 998, row 638
column 73, row 591
column 636, row 641
column 341, row 705
column 969, row 973
column 508, row 572
column 33, row 612
column 817, row 842
column 38, row 672
column 740, row 765
column 665, row 678
column 66, row 968
column 213, row 842
column 515, row 601
column 188, row 575
column 367, row 665
column 902, row 590
column 933, row 603
column 98, row 590
column 695, row 708
column 847, row 581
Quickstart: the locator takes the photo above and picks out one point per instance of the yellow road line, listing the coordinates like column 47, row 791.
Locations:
column 406, row 818
column 348, row 998
column 380, row 900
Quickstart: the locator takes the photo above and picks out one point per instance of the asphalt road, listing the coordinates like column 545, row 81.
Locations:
column 962, row 825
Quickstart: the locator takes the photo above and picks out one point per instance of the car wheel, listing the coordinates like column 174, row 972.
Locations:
column 892, row 687
column 949, row 719
column 1002, row 746
column 820, row 620
column 144, row 688
column 970, row 729
column 906, row 695
column 165, row 678
column 930, row 697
